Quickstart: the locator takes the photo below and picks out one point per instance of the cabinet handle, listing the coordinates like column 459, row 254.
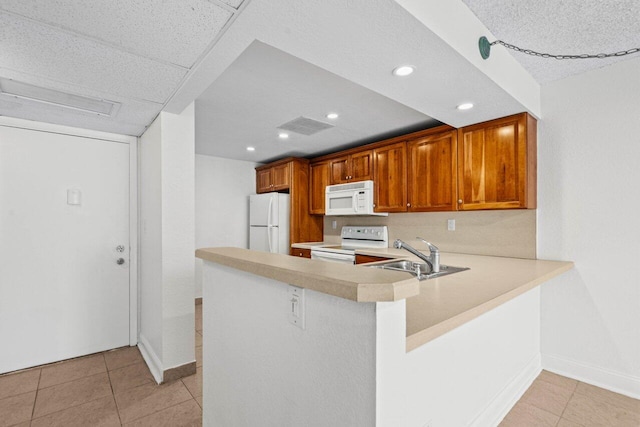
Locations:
column 409, row 205
column 459, row 201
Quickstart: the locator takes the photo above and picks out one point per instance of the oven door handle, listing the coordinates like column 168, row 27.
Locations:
column 329, row 256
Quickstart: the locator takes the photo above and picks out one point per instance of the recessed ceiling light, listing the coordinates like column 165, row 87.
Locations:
column 465, row 106
column 403, row 70
column 283, row 135
column 332, row 116
column 251, row 148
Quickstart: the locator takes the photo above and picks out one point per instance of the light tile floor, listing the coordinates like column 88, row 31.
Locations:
column 556, row 401
column 115, row 388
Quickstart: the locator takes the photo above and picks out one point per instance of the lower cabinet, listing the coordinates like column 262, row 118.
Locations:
column 304, row 253
column 365, row 259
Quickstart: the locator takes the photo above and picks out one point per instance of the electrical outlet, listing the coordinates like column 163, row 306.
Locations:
column 296, row 306
column 451, row 224
column 334, row 224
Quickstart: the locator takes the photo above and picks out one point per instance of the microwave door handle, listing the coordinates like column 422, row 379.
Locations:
column 355, row 202
column 269, row 226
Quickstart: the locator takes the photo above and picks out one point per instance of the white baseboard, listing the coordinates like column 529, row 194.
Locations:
column 153, row 361
column 594, row 375
column 502, row 403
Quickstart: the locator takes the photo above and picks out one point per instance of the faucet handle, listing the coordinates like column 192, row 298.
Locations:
column 432, row 248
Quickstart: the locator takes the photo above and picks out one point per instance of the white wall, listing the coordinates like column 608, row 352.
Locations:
column 471, row 376
column 262, row 370
column 589, row 199
column 167, row 240
column 222, row 193
column 150, row 261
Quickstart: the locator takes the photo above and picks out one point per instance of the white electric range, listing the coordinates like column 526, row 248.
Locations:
column 352, row 237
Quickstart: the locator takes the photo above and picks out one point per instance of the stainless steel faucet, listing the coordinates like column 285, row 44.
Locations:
column 399, row 244
column 434, row 255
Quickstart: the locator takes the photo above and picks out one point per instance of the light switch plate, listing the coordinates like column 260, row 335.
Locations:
column 296, row 306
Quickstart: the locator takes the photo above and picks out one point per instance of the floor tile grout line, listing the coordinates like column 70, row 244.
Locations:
column 35, row 399
column 113, row 393
column 67, row 408
column 567, row 405
column 70, row 381
column 160, row 410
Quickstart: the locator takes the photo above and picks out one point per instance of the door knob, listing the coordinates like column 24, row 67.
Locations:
column 120, row 261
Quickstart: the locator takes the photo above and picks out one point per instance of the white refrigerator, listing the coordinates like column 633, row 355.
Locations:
column 269, row 222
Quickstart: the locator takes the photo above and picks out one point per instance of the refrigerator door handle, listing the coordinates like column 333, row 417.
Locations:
column 269, row 226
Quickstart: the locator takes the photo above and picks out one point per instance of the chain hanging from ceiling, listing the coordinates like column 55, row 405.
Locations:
column 485, row 50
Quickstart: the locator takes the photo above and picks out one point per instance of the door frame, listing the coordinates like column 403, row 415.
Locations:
column 133, row 197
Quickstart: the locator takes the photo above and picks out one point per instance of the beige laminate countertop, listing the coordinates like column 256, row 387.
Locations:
column 342, row 280
column 434, row 307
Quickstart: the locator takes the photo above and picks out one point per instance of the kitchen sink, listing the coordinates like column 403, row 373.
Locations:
column 421, row 270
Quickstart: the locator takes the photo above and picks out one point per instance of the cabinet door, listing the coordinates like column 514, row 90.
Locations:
column 495, row 169
column 432, row 173
column 361, row 166
column 280, row 177
column 339, row 170
column 390, row 178
column 263, row 181
column 318, row 180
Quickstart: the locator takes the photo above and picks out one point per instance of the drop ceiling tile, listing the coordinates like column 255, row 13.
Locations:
column 37, row 49
column 175, row 31
column 233, row 3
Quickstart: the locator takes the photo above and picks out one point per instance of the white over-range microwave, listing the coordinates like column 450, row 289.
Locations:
column 354, row 198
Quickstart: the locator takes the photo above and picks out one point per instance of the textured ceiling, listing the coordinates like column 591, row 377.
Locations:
column 562, row 27
column 265, row 88
column 153, row 55
column 135, row 53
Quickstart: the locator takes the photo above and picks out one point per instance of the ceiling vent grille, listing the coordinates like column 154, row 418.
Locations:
column 305, row 126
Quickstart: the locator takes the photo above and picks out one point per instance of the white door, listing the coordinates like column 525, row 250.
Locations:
column 62, row 291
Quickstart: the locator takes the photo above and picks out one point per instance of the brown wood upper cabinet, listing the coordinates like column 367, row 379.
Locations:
column 497, row 164
column 390, row 178
column 319, row 178
column 274, row 177
column 292, row 175
column 432, row 172
column 353, row 167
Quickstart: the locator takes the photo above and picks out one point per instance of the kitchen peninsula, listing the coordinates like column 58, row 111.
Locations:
column 376, row 348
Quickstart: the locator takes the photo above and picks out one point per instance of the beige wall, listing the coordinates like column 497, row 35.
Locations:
column 500, row 233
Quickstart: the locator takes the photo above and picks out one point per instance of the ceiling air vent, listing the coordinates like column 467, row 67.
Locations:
column 305, row 126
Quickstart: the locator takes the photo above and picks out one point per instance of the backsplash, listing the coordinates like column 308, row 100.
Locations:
column 509, row 233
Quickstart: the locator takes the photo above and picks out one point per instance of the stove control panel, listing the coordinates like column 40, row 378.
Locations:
column 370, row 233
